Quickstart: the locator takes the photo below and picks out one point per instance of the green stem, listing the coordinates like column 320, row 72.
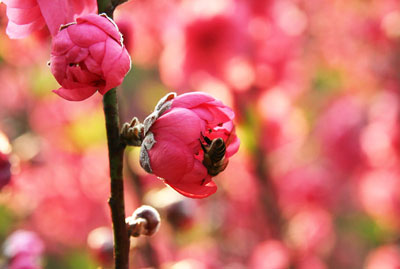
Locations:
column 116, row 201
column 108, row 6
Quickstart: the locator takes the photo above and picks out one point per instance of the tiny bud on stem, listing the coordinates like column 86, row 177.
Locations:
column 132, row 133
column 144, row 221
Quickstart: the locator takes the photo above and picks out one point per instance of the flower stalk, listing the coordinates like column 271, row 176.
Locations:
column 116, row 201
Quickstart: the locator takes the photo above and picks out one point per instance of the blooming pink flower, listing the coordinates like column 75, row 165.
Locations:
column 27, row 16
column 174, row 132
column 88, row 56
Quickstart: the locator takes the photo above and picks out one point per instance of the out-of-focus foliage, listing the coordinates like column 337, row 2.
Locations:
column 316, row 183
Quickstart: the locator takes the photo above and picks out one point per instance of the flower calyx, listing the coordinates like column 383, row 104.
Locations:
column 132, row 133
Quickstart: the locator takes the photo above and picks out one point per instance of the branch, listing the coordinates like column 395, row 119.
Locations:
column 108, row 6
column 116, row 201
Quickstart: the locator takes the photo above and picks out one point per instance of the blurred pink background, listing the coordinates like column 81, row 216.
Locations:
column 315, row 184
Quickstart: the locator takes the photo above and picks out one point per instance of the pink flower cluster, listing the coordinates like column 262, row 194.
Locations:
column 174, row 134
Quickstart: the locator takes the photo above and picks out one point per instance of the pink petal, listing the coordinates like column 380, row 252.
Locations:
column 97, row 51
column 196, row 174
column 103, row 23
column 192, row 99
column 60, row 12
column 22, row 16
column 181, row 123
column 77, row 94
column 78, row 76
column 112, row 53
column 20, row 3
column 169, row 159
column 92, row 65
column 16, row 31
column 58, row 67
column 194, row 190
column 85, row 35
column 61, row 43
column 116, row 63
column 54, row 13
column 204, row 113
column 228, row 112
column 81, row 7
column 76, row 54
column 212, row 115
column 233, row 147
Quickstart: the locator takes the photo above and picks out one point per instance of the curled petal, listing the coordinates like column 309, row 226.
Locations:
column 85, row 35
column 77, row 94
column 192, row 99
column 108, row 26
column 194, row 190
column 233, row 147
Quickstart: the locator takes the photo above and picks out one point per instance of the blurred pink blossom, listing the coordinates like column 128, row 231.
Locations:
column 5, row 170
column 379, row 194
column 340, row 136
column 88, row 56
column 271, row 254
column 204, row 46
column 24, row 250
column 27, row 16
column 172, row 150
column 311, row 231
column 383, row 257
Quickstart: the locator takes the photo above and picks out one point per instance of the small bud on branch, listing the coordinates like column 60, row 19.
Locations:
column 144, row 221
column 132, row 133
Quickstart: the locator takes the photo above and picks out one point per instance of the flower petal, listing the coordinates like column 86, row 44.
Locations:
column 77, row 94
column 194, row 190
column 16, row 31
column 22, row 16
column 169, row 159
column 191, row 99
column 20, row 3
column 104, row 23
column 181, row 123
column 85, row 35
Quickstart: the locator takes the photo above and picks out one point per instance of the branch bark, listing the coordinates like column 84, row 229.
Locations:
column 116, row 201
column 116, row 156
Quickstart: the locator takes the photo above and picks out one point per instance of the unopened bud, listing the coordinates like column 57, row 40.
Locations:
column 144, row 221
column 132, row 133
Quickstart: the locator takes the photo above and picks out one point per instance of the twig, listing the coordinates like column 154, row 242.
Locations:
column 116, row 200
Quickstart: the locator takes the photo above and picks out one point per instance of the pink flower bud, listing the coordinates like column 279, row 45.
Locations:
column 178, row 137
column 88, row 56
